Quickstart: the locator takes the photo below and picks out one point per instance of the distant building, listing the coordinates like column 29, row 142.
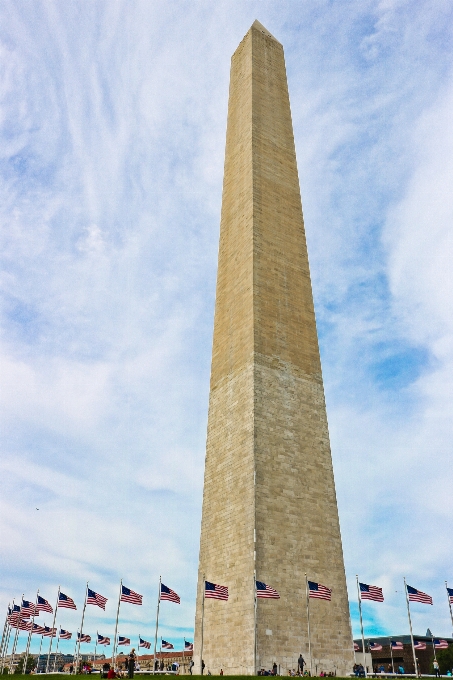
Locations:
column 146, row 661
column 403, row 657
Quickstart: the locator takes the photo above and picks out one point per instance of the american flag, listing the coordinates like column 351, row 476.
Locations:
column 39, row 630
column 123, row 640
column 215, row 592
column 356, row 647
column 418, row 644
column 166, row 645
column 102, row 640
column 375, row 646
column 263, row 590
column 144, row 643
column 319, row 591
column 43, row 605
column 128, row 595
column 49, row 632
column 66, row 602
column 95, row 598
column 22, row 625
column 417, row 596
column 397, row 645
column 65, row 634
column 83, row 637
column 440, row 644
column 27, row 609
column 167, row 593
column 188, row 646
column 371, row 592
column 450, row 595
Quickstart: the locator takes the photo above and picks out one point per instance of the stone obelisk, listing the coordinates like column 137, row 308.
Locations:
column 269, row 503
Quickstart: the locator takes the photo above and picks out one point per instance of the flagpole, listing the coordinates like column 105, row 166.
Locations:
column 95, row 646
column 27, row 650
column 391, row 654
column 202, row 624
column 116, row 625
column 359, row 598
column 5, row 629
column 449, row 603
column 434, row 647
column 75, row 648
column 410, row 627
column 39, row 654
column 183, row 656
column 51, row 631
column 81, row 625
column 56, row 652
column 13, row 651
column 308, row 624
column 8, row 635
column 157, row 624
column 255, row 607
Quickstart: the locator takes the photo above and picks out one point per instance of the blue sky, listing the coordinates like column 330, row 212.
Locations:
column 112, row 124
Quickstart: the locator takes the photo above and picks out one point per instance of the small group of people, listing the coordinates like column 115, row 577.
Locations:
column 359, row 670
column 130, row 666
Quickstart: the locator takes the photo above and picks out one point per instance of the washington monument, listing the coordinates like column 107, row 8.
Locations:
column 269, row 503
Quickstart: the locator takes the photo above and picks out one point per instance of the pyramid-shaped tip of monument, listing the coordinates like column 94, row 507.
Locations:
column 259, row 27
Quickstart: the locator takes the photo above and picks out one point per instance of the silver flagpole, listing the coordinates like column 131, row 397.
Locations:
column 391, row 654
column 95, row 647
column 5, row 628
column 434, row 647
column 56, row 651
column 202, row 624
column 81, row 625
column 53, row 626
column 6, row 645
column 157, row 625
column 183, row 654
column 75, row 649
column 410, row 627
column 27, row 650
column 116, row 625
column 255, row 607
column 39, row 654
column 361, row 623
column 13, row 651
column 308, row 623
column 449, row 603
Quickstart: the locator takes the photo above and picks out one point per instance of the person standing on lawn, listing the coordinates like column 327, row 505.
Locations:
column 131, row 664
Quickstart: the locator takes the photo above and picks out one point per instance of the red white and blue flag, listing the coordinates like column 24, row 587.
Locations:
column 375, row 646
column 166, row 645
column 440, row 644
column 371, row 593
column 188, row 646
column 102, row 640
column 319, row 591
column 450, row 595
column 83, row 637
column 167, row 593
column 39, row 630
column 123, row 640
column 43, row 605
column 418, row 644
column 396, row 644
column 128, row 595
column 65, row 634
column 49, row 632
column 215, row 592
column 96, row 599
column 28, row 609
column 263, row 590
column 144, row 643
column 417, row 596
column 66, row 602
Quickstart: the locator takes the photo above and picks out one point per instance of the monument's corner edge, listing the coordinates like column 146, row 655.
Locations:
column 258, row 26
